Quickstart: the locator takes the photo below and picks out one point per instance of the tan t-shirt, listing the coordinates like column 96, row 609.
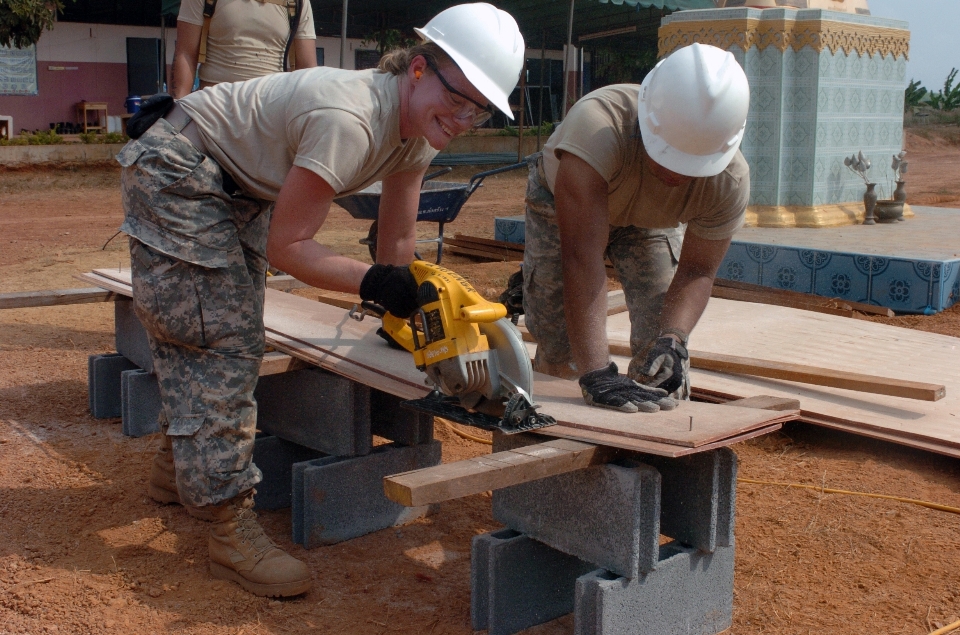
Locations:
column 602, row 130
column 343, row 125
column 247, row 37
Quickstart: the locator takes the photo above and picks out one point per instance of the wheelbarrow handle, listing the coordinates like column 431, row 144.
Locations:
column 434, row 175
column 477, row 179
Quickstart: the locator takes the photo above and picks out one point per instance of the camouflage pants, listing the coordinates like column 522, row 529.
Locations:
column 205, row 323
column 645, row 261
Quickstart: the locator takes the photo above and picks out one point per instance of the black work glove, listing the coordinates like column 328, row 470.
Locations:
column 607, row 388
column 394, row 288
column 512, row 298
column 665, row 364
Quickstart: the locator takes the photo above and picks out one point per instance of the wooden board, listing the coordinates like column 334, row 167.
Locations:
column 326, row 336
column 512, row 467
column 55, row 297
column 817, row 376
column 774, row 294
column 691, row 424
column 793, row 336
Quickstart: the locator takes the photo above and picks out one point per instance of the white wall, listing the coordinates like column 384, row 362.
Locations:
column 98, row 43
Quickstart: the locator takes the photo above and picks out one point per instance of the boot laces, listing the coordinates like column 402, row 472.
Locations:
column 250, row 530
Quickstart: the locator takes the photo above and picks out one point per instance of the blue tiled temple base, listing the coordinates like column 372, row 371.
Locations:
column 903, row 284
column 509, row 229
column 914, row 269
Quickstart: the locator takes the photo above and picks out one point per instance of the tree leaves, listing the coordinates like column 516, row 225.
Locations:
column 23, row 21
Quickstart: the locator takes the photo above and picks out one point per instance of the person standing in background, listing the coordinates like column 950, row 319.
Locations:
column 245, row 39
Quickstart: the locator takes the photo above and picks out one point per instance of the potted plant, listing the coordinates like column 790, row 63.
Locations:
column 860, row 165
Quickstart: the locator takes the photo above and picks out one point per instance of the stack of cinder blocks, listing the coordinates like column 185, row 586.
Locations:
column 315, row 441
column 589, row 542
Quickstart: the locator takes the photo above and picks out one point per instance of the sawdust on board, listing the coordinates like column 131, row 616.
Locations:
column 83, row 550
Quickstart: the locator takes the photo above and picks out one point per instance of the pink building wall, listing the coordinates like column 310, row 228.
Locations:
column 78, row 62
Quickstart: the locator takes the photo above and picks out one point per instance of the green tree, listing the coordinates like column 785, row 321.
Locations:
column 949, row 97
column 23, row 21
column 913, row 95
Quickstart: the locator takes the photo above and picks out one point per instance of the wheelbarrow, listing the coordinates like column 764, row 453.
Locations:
column 440, row 202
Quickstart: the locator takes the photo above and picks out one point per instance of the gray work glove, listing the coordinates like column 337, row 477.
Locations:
column 607, row 388
column 665, row 366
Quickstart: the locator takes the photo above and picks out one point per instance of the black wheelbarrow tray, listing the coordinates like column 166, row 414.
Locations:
column 440, row 202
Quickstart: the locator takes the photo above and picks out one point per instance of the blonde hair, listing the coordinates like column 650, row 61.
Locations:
column 397, row 61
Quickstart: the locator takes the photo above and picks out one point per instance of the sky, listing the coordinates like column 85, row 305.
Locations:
column 934, row 43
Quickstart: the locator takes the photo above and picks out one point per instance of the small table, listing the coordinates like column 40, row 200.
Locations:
column 99, row 108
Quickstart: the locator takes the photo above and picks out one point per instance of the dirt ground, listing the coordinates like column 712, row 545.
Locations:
column 83, row 550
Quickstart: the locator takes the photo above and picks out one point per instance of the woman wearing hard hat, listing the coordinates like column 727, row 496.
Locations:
column 633, row 173
column 239, row 173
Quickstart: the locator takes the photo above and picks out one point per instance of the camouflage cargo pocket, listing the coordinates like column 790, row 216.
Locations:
column 165, row 297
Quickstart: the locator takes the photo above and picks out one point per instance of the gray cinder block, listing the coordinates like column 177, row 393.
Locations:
column 140, row 397
column 390, row 421
column 339, row 498
column 275, row 458
column 103, row 384
column 130, row 336
column 606, row 514
column 315, row 409
column 697, row 497
column 689, row 593
column 517, row 582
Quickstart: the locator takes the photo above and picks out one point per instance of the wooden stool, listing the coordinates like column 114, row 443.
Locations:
column 97, row 107
column 6, row 126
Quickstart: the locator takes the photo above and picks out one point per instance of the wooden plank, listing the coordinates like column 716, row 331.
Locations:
column 285, row 283
column 476, row 252
column 805, row 374
column 861, row 307
column 761, row 298
column 477, row 240
column 512, row 467
column 275, row 363
column 817, row 376
column 55, row 297
column 494, row 471
column 766, row 402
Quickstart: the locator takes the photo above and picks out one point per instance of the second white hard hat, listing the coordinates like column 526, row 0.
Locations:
column 693, row 110
column 485, row 43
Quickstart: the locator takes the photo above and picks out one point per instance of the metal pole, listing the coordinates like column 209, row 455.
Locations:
column 523, row 106
column 543, row 55
column 343, row 35
column 566, row 65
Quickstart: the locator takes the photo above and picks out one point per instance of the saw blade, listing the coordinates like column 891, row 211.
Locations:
column 513, row 360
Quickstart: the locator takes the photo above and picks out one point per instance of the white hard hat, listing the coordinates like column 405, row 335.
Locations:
column 693, row 110
column 485, row 43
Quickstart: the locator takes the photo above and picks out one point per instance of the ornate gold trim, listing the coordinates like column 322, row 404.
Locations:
column 781, row 34
column 817, row 216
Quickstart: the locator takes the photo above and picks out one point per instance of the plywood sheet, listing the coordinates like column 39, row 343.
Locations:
column 327, row 336
column 791, row 335
column 691, row 424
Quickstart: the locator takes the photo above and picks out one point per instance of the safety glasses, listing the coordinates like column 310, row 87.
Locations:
column 470, row 109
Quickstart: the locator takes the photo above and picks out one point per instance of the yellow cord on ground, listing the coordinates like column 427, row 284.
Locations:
column 462, row 434
column 827, row 490
column 946, row 629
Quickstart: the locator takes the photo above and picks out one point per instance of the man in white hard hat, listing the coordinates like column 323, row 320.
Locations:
column 634, row 174
column 241, row 172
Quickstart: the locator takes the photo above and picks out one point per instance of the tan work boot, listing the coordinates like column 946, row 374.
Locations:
column 162, row 486
column 241, row 553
